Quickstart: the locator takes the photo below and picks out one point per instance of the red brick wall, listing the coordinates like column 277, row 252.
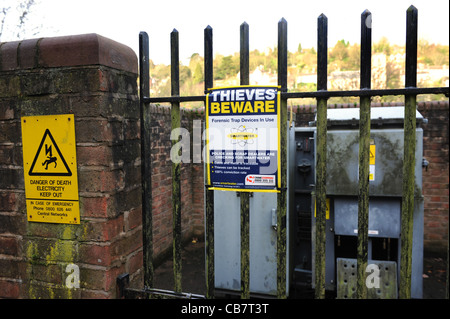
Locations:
column 191, row 184
column 435, row 178
column 93, row 78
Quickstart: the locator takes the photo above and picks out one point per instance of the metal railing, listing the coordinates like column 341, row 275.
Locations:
column 365, row 93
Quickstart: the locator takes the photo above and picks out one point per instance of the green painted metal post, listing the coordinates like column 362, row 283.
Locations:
column 176, row 165
column 363, row 156
column 146, row 160
column 245, row 196
column 209, row 194
column 408, row 155
column 282, row 195
column 363, row 197
column 321, row 204
column 408, row 197
column 321, row 160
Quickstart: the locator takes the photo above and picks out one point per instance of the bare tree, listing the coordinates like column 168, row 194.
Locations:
column 3, row 13
column 15, row 22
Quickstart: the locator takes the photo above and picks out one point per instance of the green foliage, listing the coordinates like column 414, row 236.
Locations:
column 432, row 54
column 185, row 74
column 268, row 60
column 198, row 74
column 343, row 56
column 196, row 65
column 226, row 66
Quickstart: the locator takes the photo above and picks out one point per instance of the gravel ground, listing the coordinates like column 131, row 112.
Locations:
column 434, row 277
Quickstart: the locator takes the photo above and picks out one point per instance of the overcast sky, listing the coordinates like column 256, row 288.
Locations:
column 123, row 20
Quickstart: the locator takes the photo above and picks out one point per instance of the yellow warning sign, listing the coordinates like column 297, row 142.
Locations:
column 372, row 154
column 50, row 169
column 372, row 162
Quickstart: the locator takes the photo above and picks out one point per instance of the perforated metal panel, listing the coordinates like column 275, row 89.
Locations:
column 381, row 281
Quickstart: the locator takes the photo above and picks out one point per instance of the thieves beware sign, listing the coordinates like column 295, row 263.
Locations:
column 50, row 169
column 242, row 146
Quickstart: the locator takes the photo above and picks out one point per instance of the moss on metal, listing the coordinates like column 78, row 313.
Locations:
column 245, row 245
column 363, row 197
column 321, row 198
column 408, row 197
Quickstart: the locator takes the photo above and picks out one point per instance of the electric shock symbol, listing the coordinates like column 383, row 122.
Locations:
column 49, row 159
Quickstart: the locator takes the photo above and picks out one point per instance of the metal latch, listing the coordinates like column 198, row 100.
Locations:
column 274, row 218
column 304, row 166
column 425, row 164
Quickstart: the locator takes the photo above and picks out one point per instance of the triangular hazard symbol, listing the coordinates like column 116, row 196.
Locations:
column 48, row 160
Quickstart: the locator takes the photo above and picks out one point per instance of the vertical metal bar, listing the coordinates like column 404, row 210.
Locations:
column 408, row 155
column 208, row 43
column 244, row 54
column 245, row 245
column 209, row 194
column 245, row 196
column 176, row 165
column 321, row 160
column 364, row 152
column 411, row 47
column 447, row 294
column 146, row 160
column 282, row 195
column 322, row 49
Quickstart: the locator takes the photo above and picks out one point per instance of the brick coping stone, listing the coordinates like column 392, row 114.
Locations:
column 72, row 50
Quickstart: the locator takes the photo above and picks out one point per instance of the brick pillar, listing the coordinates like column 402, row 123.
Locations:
column 93, row 78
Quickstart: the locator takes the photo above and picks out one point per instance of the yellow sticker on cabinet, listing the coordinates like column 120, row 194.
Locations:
column 327, row 212
column 50, row 169
column 372, row 162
